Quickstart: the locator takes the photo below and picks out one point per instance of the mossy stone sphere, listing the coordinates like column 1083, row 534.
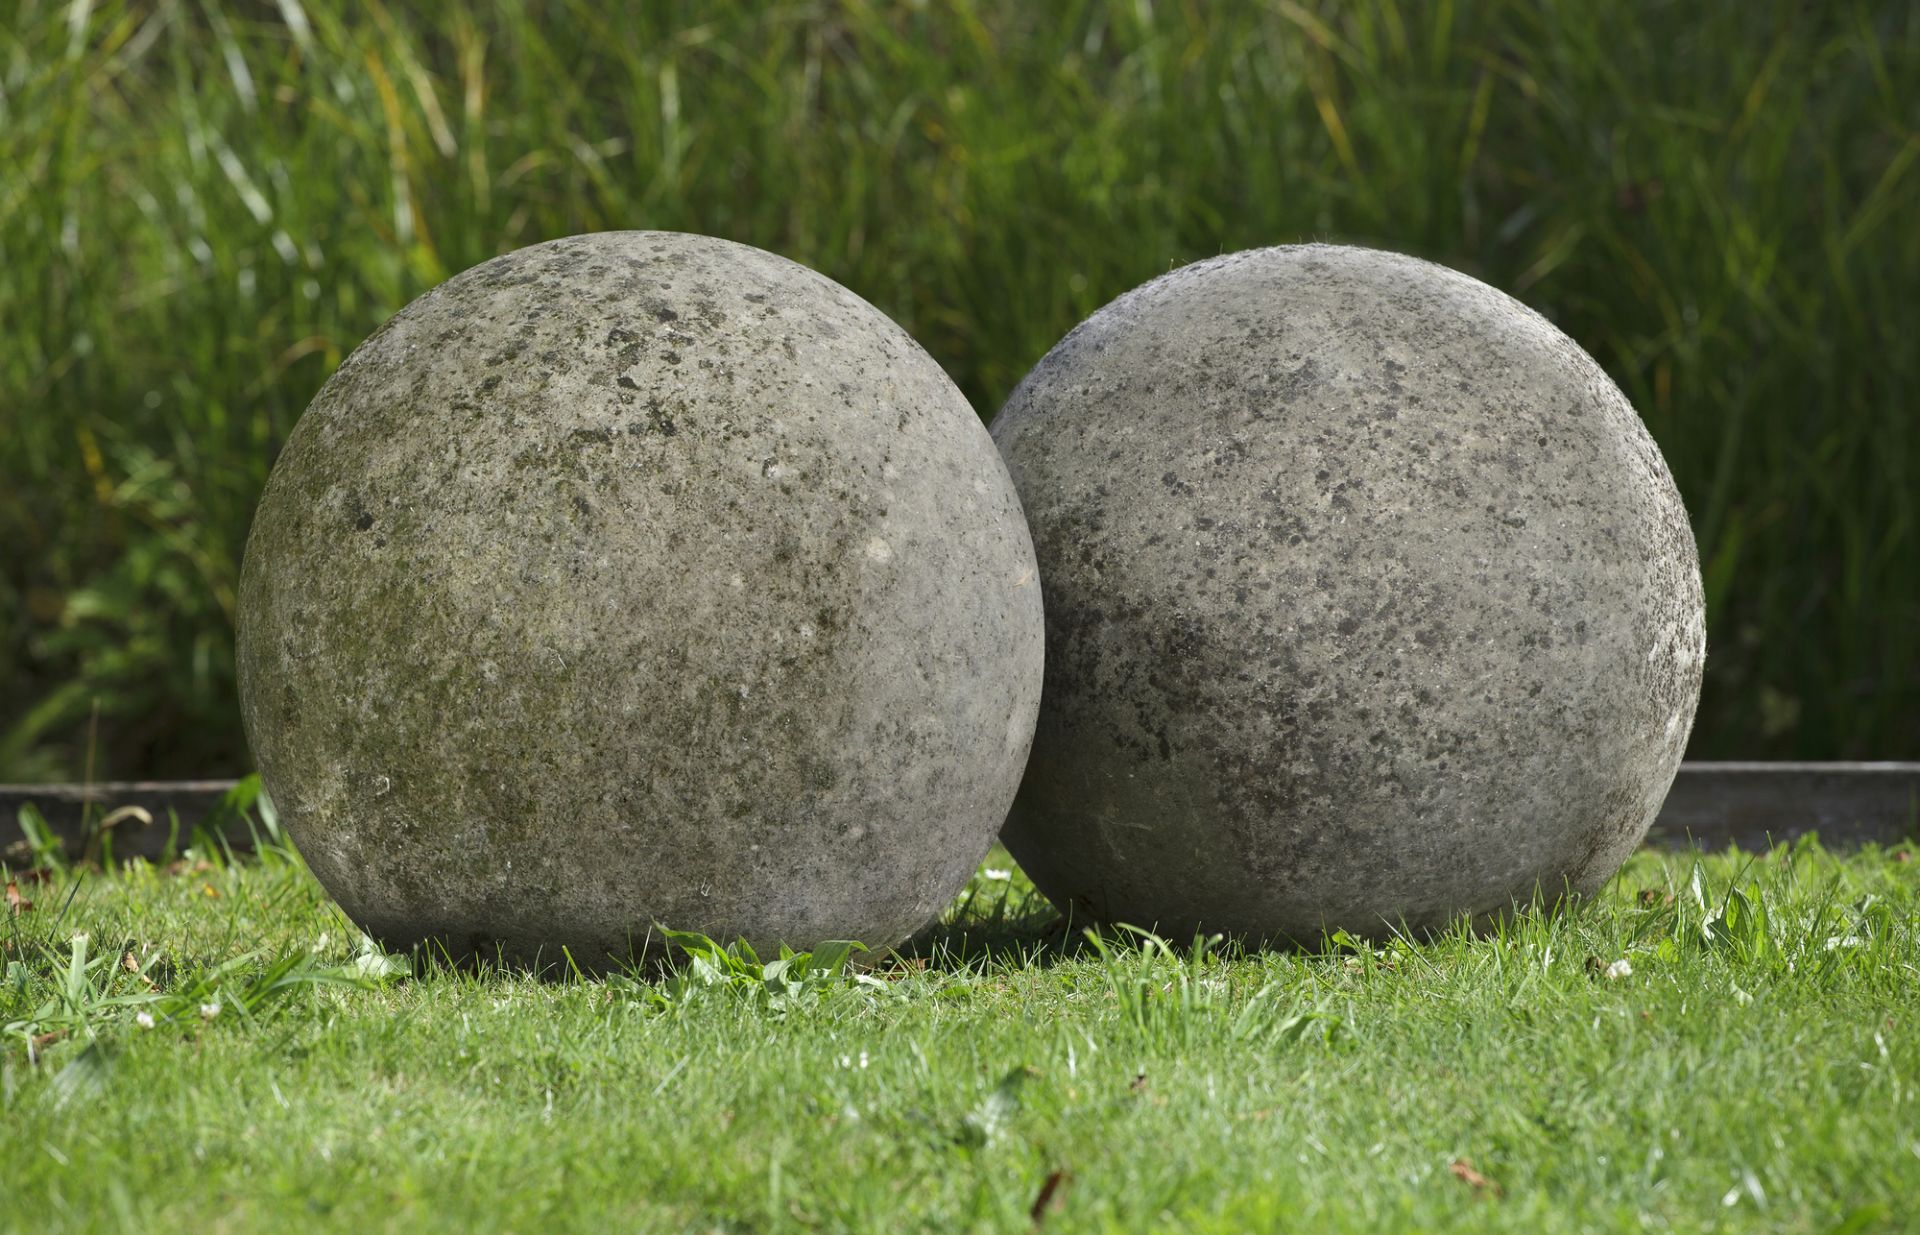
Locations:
column 639, row 578
column 1370, row 603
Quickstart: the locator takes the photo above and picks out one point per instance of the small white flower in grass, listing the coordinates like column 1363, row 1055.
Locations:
column 1619, row 969
column 144, row 1019
column 996, row 874
column 209, row 1010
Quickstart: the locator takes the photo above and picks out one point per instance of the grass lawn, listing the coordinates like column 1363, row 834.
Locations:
column 210, row 1046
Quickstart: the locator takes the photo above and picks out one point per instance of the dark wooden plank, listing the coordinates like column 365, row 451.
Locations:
column 73, row 814
column 1712, row 806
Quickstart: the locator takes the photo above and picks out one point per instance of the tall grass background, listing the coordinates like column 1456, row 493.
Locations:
column 204, row 206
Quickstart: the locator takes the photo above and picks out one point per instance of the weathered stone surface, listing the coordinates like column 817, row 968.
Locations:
column 1369, row 600
column 634, row 578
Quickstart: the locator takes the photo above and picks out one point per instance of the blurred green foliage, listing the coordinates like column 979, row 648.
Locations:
column 204, row 206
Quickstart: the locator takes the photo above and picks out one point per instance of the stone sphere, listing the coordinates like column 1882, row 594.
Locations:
column 1370, row 603
column 639, row 578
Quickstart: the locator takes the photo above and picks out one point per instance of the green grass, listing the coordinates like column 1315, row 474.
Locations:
column 1757, row 1070
column 205, row 205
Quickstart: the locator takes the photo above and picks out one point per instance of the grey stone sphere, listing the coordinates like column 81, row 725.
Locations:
column 1370, row 604
column 639, row 578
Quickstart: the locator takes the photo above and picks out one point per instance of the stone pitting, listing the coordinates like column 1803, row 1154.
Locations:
column 639, row 578
column 1370, row 603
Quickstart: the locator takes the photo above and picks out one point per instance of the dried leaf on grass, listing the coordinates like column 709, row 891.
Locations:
column 132, row 966
column 1049, row 1198
column 1464, row 1172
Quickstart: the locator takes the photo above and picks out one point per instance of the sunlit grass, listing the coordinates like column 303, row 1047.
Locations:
column 1722, row 1042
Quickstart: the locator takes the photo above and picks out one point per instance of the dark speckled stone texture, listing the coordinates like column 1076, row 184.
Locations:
column 1369, row 601
column 633, row 578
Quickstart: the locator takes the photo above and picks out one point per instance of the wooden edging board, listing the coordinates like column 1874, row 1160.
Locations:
column 1711, row 806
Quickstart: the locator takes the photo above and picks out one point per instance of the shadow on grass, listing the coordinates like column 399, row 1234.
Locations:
column 1038, row 936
